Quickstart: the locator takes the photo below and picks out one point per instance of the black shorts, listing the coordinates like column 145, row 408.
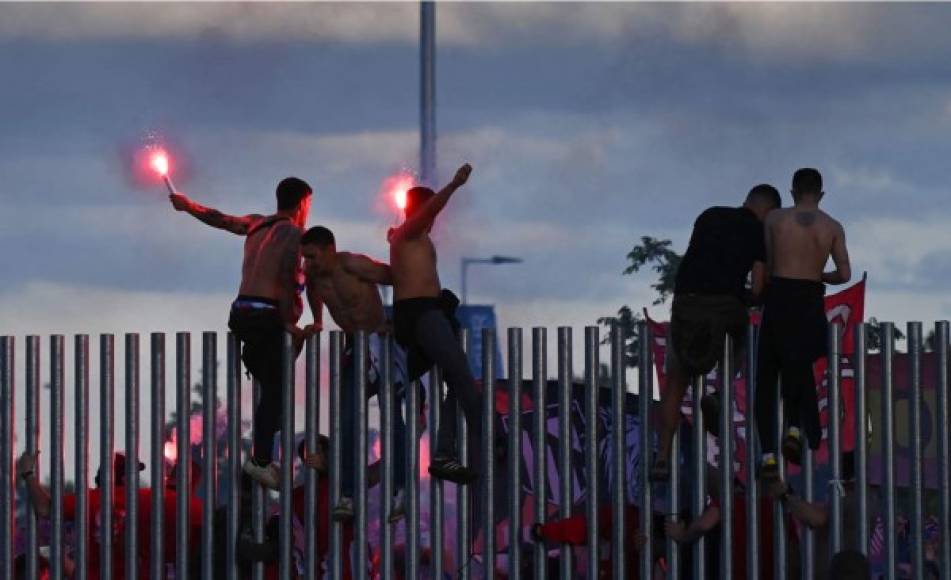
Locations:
column 406, row 313
column 699, row 325
column 795, row 327
column 261, row 332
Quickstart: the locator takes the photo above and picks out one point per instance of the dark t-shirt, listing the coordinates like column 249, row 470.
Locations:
column 723, row 246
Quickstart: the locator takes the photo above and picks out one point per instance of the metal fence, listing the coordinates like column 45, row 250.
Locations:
column 476, row 534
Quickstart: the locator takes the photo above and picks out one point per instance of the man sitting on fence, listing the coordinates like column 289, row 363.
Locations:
column 710, row 301
column 268, row 304
column 793, row 335
column 424, row 321
column 347, row 284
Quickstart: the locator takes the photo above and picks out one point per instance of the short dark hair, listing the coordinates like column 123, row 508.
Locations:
column 290, row 192
column 765, row 194
column 807, row 181
column 849, row 565
column 323, row 444
column 318, row 235
column 417, row 196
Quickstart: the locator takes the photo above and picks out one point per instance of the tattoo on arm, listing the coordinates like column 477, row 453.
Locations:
column 216, row 219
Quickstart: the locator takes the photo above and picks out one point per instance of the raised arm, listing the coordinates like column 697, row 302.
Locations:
column 423, row 217
column 367, row 268
column 840, row 257
column 235, row 224
column 39, row 497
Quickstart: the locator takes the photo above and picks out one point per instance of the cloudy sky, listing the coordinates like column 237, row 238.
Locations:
column 589, row 125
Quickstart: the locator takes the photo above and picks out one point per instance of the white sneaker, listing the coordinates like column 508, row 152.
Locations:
column 344, row 509
column 398, row 507
column 268, row 476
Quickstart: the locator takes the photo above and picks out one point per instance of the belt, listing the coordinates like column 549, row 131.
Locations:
column 252, row 305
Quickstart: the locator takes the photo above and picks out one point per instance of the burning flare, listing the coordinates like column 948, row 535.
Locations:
column 159, row 163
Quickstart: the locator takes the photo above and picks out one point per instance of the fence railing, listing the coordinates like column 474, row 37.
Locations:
column 193, row 554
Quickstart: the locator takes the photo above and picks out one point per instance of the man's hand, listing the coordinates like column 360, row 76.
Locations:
column 179, row 201
column 675, row 530
column 26, row 464
column 462, row 175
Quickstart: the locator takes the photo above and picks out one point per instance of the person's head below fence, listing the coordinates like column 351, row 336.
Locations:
column 194, row 477
column 807, row 185
column 317, row 460
column 293, row 199
column 762, row 199
column 118, row 471
column 849, row 565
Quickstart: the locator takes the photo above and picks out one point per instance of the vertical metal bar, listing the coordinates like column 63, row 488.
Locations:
column 888, row 442
column 699, row 495
column 131, row 454
column 917, row 453
column 673, row 548
column 311, row 431
column 618, row 450
column 157, row 366
column 286, row 539
column 258, row 496
column 435, row 484
column 7, row 483
column 861, row 439
column 835, row 434
column 209, row 450
column 360, row 374
column 386, row 429
column 412, row 473
column 944, row 469
column 592, row 389
column 809, row 534
column 488, row 449
column 57, row 432
column 336, row 432
column 81, row 399
column 565, row 379
column 235, row 499
column 183, row 470
column 515, row 451
column 32, row 443
column 107, row 345
column 645, row 394
column 540, row 441
column 427, row 33
column 779, row 521
column 752, row 489
column 463, row 498
column 726, row 459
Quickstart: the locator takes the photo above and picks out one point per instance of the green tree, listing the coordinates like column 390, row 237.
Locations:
column 657, row 255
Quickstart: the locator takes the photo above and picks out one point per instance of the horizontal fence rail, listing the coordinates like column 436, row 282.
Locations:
column 564, row 479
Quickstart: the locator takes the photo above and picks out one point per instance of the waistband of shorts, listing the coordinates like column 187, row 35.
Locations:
column 796, row 284
column 247, row 302
column 418, row 303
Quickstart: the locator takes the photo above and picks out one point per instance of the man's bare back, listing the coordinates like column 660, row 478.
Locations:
column 270, row 265
column 353, row 300
column 799, row 242
column 412, row 253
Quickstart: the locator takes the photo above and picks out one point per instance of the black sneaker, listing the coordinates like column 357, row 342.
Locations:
column 769, row 470
column 451, row 470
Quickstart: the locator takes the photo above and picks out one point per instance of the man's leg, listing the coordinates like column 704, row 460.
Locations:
column 767, row 391
column 799, row 392
column 348, row 425
column 670, row 401
column 437, row 340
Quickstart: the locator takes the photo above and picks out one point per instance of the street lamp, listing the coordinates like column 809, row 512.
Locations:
column 493, row 260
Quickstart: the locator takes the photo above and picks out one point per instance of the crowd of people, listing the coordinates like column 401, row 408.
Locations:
column 758, row 255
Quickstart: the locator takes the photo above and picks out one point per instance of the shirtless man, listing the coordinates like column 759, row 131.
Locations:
column 346, row 284
column 267, row 305
column 793, row 335
column 424, row 323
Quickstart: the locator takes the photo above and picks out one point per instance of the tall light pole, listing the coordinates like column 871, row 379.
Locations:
column 427, row 92
column 495, row 260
